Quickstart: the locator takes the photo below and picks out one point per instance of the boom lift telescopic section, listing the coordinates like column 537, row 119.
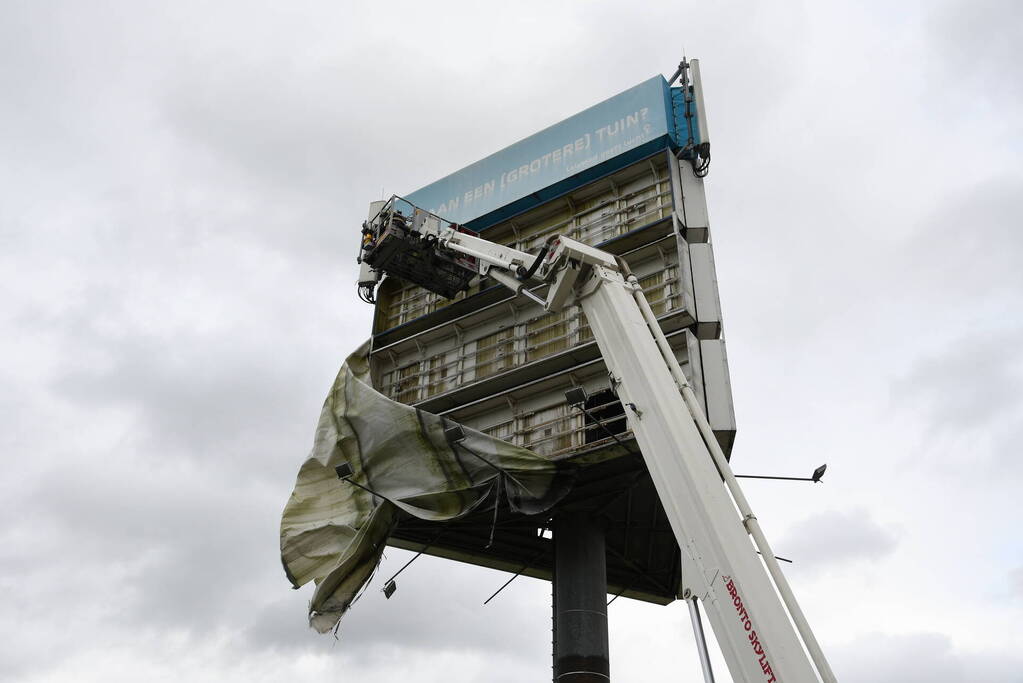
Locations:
column 709, row 515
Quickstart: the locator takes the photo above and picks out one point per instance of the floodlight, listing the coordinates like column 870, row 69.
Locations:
column 815, row 477
column 345, row 474
column 454, row 433
column 575, row 396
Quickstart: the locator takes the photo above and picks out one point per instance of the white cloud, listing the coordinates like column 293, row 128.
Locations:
column 836, row 539
column 1016, row 581
column 182, row 185
column 921, row 658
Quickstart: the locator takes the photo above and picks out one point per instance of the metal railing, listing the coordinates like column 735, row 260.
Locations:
column 610, row 218
column 431, row 376
column 573, row 432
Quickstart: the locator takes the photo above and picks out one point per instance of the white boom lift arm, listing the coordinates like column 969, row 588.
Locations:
column 709, row 514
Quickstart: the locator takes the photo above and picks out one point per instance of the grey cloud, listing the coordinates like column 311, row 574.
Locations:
column 1016, row 582
column 979, row 42
column 275, row 123
column 205, row 399
column 956, row 286
column 920, row 658
column 181, row 185
column 973, row 382
column 836, row 539
column 171, row 545
column 969, row 249
column 437, row 608
column 969, row 399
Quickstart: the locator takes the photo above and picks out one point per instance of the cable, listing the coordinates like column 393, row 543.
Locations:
column 523, row 274
column 702, row 153
column 366, row 294
column 603, row 426
column 703, row 169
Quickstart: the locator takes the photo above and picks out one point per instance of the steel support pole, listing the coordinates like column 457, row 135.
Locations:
column 580, row 600
column 701, row 641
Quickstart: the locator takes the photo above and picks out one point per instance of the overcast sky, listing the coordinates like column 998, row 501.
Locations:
column 181, row 187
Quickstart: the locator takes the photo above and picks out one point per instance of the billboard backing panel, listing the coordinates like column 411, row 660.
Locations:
column 641, row 118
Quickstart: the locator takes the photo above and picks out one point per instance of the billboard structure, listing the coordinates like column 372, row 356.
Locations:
column 625, row 175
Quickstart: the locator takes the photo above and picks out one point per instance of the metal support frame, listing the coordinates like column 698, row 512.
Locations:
column 701, row 640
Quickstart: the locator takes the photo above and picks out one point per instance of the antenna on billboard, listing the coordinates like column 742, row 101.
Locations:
column 681, row 70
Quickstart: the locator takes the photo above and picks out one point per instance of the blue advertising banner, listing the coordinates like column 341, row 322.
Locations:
column 641, row 118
